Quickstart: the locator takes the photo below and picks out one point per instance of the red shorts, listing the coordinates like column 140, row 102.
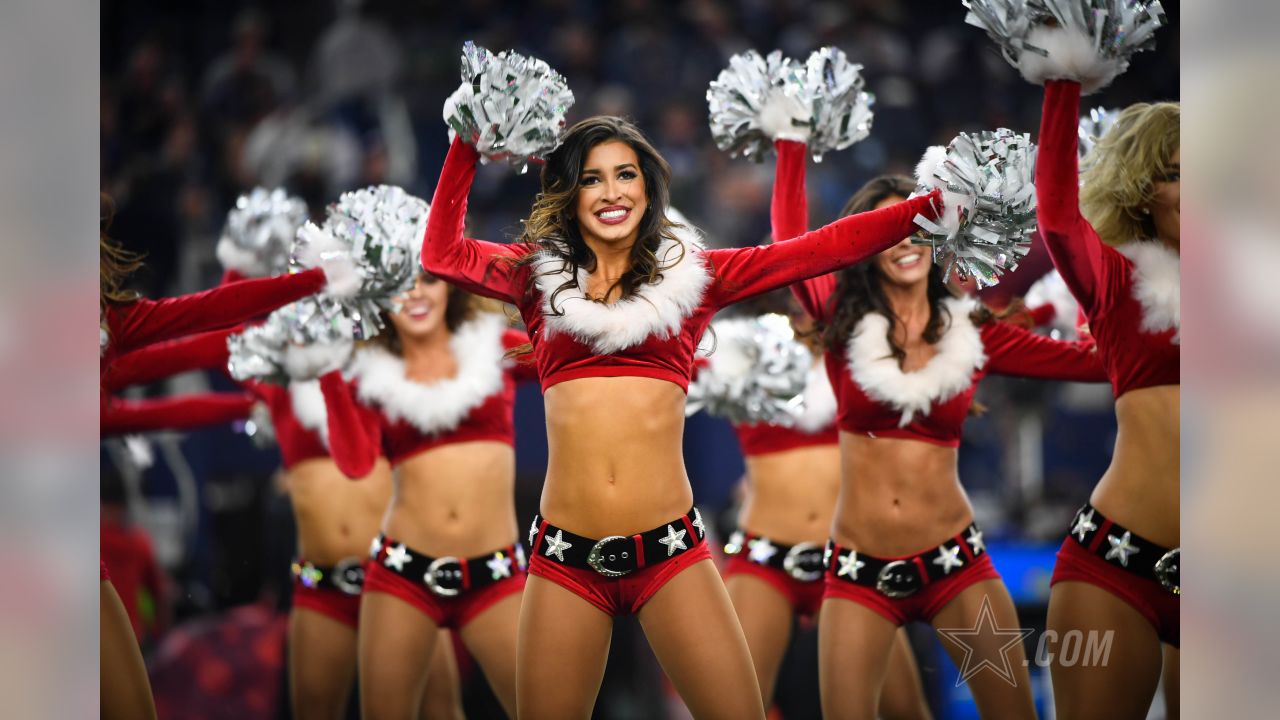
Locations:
column 617, row 596
column 447, row 612
column 805, row 597
column 328, row 601
column 922, row 605
column 1157, row 605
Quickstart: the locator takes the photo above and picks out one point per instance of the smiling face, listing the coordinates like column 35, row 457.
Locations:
column 1165, row 202
column 611, row 198
column 903, row 264
column 423, row 308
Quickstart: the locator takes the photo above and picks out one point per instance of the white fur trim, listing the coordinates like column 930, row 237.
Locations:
column 658, row 309
column 233, row 257
column 1072, row 56
column 927, row 171
column 308, row 407
column 1157, row 284
column 443, row 404
column 819, row 401
column 947, row 374
column 325, row 251
column 777, row 113
column 306, row 362
column 1052, row 290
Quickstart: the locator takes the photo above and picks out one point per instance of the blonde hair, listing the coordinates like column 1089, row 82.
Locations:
column 1122, row 169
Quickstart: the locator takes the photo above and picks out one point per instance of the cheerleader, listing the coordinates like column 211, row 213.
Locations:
column 436, row 393
column 1113, row 233
column 615, row 297
column 904, row 357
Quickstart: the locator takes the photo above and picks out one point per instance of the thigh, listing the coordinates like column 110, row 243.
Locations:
column 491, row 638
column 766, row 616
column 396, row 642
column 322, row 664
column 854, row 643
column 125, row 691
column 988, row 643
column 902, row 696
column 442, row 699
column 1170, row 676
column 695, row 634
column 562, row 647
column 1123, row 685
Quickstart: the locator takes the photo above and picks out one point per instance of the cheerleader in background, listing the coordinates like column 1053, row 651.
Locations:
column 904, row 357
column 615, row 297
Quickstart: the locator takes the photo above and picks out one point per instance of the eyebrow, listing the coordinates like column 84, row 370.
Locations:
column 623, row 166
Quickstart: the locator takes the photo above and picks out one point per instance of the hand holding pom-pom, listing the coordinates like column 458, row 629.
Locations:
column 300, row 341
column 508, row 107
column 988, row 193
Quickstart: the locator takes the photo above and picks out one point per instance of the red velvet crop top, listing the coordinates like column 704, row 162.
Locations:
column 816, row 427
column 384, row 410
column 875, row 397
column 1130, row 295
column 654, row 333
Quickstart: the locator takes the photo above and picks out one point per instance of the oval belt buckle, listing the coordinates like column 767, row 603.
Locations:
column 794, row 562
column 888, row 578
column 596, row 557
column 348, row 576
column 1167, row 571
column 436, row 569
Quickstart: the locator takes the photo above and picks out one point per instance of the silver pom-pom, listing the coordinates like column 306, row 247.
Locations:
column 509, row 107
column 373, row 236
column 316, row 328
column 759, row 99
column 756, row 374
column 988, row 191
column 259, row 230
column 1089, row 41
column 1093, row 126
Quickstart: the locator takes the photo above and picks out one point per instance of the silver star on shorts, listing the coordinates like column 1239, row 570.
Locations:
column 674, row 541
column 697, row 523
column 1120, row 548
column 499, row 566
column 397, row 557
column 850, row 565
column 533, row 532
column 556, row 545
column 948, row 558
column 1084, row 525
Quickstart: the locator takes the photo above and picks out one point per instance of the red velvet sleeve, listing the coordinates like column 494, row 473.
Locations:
column 181, row 412
column 142, row 322
column 789, row 215
column 743, row 272
column 1014, row 351
column 162, row 360
column 476, row 266
column 1042, row 314
column 1091, row 269
column 355, row 434
column 521, row 367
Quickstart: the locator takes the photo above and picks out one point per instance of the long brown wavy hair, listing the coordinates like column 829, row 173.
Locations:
column 860, row 287
column 114, row 262
column 552, row 228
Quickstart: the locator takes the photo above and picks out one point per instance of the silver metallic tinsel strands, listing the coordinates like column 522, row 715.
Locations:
column 757, row 373
column 510, row 107
column 258, row 353
column 759, row 99
column 988, row 187
column 259, row 230
column 380, row 228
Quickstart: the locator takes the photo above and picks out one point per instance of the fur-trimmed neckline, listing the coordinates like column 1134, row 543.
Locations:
column 308, row 405
column 948, row 373
column 654, row 310
column 819, row 401
column 442, row 405
column 1157, row 284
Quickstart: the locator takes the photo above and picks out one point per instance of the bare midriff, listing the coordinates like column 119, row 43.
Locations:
column 615, row 464
column 336, row 517
column 455, row 500
column 791, row 494
column 898, row 496
column 1140, row 490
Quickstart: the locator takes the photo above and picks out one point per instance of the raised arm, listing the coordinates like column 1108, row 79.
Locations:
column 161, row 360
column 142, row 322
column 1084, row 262
column 743, row 272
column 476, row 266
column 789, row 215
column 1014, row 351
column 355, row 436
column 182, row 412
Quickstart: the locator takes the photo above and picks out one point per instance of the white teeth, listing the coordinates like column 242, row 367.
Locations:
column 612, row 214
column 908, row 259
